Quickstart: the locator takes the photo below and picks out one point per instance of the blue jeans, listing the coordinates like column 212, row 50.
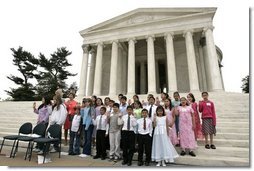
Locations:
column 74, row 142
column 88, row 140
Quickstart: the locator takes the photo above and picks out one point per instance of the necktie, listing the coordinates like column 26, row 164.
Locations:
column 99, row 127
column 128, row 123
column 150, row 111
column 144, row 124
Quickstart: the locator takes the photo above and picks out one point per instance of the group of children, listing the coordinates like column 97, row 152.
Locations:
column 155, row 126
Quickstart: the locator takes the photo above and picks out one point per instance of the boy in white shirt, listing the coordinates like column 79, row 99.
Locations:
column 128, row 136
column 101, row 122
column 145, row 129
column 76, row 127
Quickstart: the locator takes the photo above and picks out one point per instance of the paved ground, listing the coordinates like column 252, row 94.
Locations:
column 64, row 161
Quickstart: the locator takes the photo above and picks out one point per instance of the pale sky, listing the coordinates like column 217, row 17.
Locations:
column 45, row 25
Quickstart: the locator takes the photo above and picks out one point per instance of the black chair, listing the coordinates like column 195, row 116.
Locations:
column 54, row 133
column 26, row 129
column 38, row 132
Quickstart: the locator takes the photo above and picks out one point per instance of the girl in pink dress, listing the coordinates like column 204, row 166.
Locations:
column 194, row 105
column 170, row 117
column 186, row 127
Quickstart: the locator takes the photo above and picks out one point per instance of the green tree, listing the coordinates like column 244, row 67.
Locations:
column 53, row 72
column 245, row 85
column 26, row 64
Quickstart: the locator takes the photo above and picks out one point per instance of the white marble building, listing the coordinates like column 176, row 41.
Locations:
column 149, row 50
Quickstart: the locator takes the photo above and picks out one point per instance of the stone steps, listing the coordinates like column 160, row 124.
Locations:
column 231, row 140
column 212, row 161
column 228, row 143
column 235, row 130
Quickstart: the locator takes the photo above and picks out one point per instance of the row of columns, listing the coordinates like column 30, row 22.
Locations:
column 95, row 78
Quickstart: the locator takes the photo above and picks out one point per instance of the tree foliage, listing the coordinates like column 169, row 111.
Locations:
column 50, row 74
column 53, row 72
column 26, row 64
column 245, row 85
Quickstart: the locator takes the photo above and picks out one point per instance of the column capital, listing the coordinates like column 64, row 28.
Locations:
column 150, row 36
column 169, row 34
column 132, row 39
column 114, row 41
column 188, row 31
column 208, row 28
column 205, row 29
column 92, row 51
column 86, row 48
column 99, row 43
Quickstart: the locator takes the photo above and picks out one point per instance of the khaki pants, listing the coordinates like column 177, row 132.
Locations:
column 114, row 141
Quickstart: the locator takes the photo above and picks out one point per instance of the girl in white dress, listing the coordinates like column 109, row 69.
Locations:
column 162, row 148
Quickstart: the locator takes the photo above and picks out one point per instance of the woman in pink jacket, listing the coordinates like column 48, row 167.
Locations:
column 206, row 107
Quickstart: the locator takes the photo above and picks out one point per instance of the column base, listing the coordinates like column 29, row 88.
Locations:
column 112, row 94
column 217, row 90
column 130, row 94
column 152, row 92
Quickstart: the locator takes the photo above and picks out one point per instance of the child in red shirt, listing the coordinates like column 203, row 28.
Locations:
column 206, row 107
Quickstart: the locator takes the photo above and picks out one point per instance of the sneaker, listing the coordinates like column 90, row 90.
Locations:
column 163, row 163
column 159, row 163
column 83, row 155
column 116, row 158
column 111, row 158
column 36, row 150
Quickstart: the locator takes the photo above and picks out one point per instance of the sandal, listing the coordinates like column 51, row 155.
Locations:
column 207, row 146
column 213, row 146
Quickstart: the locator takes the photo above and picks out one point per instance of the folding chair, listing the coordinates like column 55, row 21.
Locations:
column 54, row 133
column 38, row 132
column 26, row 129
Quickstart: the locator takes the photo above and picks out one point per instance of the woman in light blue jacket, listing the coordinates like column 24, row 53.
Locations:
column 87, row 114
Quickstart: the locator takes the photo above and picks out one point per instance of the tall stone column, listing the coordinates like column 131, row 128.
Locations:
column 131, row 68
column 91, row 73
column 191, row 59
column 171, row 65
column 142, row 78
column 157, row 76
column 151, row 65
column 203, row 72
column 83, row 73
column 212, row 60
column 113, row 69
column 98, row 70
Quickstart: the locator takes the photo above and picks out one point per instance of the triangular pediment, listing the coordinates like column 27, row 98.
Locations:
column 146, row 15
